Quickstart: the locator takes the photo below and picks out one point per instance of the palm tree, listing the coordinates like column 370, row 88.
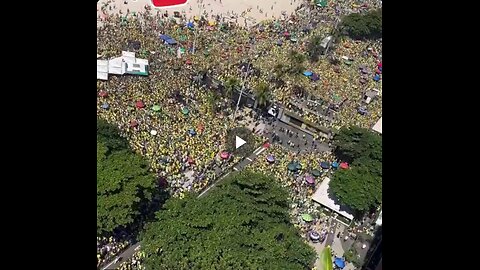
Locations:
column 230, row 85
column 296, row 62
column 326, row 259
column 262, row 94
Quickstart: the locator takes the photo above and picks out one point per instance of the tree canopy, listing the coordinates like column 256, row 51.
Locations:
column 363, row 26
column 241, row 224
column 123, row 180
column 355, row 143
column 359, row 187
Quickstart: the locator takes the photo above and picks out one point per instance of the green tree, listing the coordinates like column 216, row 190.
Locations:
column 241, row 224
column 230, row 85
column 363, row 26
column 296, row 62
column 262, row 94
column 124, row 182
column 358, row 143
column 314, row 49
column 358, row 188
column 326, row 259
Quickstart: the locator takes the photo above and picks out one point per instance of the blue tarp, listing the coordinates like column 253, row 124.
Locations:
column 376, row 78
column 192, row 132
column 190, row 25
column 307, row 73
column 324, row 165
column 165, row 37
column 335, row 164
column 171, row 41
column 339, row 262
column 168, row 39
column 105, row 106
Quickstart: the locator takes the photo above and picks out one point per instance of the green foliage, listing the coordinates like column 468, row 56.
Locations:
column 352, row 256
column 314, row 49
column 262, row 94
column 326, row 259
column 230, row 85
column 357, row 187
column 360, row 187
column 123, row 181
column 363, row 26
column 241, row 224
column 297, row 62
column 355, row 143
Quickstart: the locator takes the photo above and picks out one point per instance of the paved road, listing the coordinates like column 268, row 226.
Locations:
column 125, row 255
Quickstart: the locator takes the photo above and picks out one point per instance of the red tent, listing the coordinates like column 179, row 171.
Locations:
column 103, row 94
column 140, row 104
column 189, row 62
column 380, row 65
column 344, row 165
column 224, row 155
column 133, row 123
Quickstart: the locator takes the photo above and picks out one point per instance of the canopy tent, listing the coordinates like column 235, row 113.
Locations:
column 224, row 155
column 103, row 94
column 190, row 25
column 153, row 132
column 316, row 173
column 325, row 165
column 376, row 77
column 315, row 77
column 310, row 180
column 321, row 3
column 185, row 110
column 156, row 108
column 270, row 158
column 192, row 132
column 292, row 166
column 335, row 165
column 307, row 73
column 105, row 106
column 339, row 262
column 139, row 104
column 307, row 217
column 344, row 165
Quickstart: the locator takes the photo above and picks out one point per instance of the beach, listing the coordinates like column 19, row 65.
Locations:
column 244, row 12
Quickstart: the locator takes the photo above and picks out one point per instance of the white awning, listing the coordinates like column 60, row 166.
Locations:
column 323, row 197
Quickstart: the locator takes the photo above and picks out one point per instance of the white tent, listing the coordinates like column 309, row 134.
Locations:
column 102, row 70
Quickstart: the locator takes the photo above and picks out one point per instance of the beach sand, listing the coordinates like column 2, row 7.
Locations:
column 252, row 8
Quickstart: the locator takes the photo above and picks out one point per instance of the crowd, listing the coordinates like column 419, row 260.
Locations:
column 187, row 134
column 108, row 248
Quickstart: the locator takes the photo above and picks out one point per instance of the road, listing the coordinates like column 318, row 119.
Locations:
column 125, row 255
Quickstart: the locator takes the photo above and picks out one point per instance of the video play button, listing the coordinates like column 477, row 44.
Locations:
column 239, row 142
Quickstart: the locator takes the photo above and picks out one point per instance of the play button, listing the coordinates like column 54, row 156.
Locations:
column 239, row 142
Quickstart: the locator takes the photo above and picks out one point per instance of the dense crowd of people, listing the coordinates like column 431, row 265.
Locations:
column 184, row 135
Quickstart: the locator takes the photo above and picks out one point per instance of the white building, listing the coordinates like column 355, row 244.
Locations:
column 125, row 64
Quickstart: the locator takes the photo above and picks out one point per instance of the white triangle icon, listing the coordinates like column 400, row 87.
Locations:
column 239, row 142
